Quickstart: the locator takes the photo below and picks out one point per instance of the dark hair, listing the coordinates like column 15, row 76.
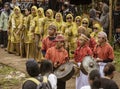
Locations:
column 65, row 5
column 32, row 68
column 46, row 67
column 109, row 69
column 26, row 9
column 7, row 3
column 29, row 9
column 95, row 77
column 8, row 11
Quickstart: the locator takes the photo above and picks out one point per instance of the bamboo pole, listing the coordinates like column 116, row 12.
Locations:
column 93, row 4
column 115, row 4
column 110, row 18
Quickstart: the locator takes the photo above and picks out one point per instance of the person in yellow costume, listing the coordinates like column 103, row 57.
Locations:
column 85, row 23
column 24, row 36
column 37, row 22
column 59, row 22
column 17, row 24
column 10, row 47
column 31, row 36
column 47, row 21
column 69, row 31
column 78, row 21
column 96, row 29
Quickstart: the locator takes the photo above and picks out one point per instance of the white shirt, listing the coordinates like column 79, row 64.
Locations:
column 85, row 87
column 53, row 81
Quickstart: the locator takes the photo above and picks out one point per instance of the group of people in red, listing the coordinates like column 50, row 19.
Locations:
column 44, row 36
column 54, row 50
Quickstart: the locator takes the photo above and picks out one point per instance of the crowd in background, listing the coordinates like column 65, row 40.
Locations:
column 57, row 34
column 99, row 15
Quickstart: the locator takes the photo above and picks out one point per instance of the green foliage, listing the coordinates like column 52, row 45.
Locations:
column 117, row 60
column 8, row 83
column 5, row 83
column 5, row 69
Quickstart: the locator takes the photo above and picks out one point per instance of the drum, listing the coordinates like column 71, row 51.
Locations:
column 65, row 71
column 88, row 64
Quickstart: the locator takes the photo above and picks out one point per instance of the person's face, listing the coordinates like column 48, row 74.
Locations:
column 63, row 8
column 78, row 21
column 33, row 11
column 100, row 39
column 69, row 19
column 16, row 11
column 81, row 31
column 82, row 42
column 85, row 23
column 58, row 18
column 51, row 31
column 39, row 13
column 6, row 7
column 95, row 29
column 100, row 4
column 59, row 44
column 47, row 14
column 27, row 12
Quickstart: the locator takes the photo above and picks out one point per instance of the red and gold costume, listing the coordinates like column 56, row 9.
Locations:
column 81, row 52
column 104, row 52
column 56, row 55
column 47, row 43
column 83, row 49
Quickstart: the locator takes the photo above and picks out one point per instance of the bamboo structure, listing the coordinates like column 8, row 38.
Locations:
column 110, row 18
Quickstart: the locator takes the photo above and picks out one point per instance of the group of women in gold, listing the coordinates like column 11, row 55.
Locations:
column 27, row 31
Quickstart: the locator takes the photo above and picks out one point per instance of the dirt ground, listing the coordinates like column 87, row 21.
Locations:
column 19, row 64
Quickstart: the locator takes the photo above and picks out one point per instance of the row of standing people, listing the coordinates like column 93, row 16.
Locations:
column 43, row 24
column 24, row 29
column 35, row 36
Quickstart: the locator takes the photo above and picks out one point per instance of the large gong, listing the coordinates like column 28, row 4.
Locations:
column 65, row 71
column 88, row 64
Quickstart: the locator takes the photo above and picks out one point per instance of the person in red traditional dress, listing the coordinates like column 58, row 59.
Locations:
column 48, row 41
column 92, row 42
column 82, row 50
column 58, row 55
column 103, row 52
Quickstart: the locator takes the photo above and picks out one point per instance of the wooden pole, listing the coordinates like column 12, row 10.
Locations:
column 110, row 18
column 115, row 4
column 93, row 4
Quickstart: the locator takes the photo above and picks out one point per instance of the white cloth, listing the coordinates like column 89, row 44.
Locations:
column 82, row 80
column 53, row 81
column 86, row 87
column 101, row 68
